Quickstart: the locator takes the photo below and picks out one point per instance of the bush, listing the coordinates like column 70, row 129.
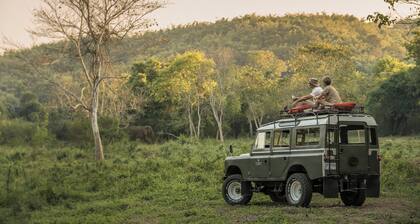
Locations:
column 110, row 130
column 76, row 129
column 20, row 132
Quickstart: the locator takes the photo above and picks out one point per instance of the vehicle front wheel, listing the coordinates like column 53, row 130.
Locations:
column 350, row 198
column 298, row 190
column 235, row 191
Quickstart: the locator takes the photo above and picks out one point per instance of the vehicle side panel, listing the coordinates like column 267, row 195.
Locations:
column 310, row 162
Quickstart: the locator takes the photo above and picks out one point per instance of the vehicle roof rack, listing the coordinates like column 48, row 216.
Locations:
column 358, row 109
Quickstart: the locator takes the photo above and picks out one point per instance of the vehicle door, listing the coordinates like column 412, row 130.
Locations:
column 260, row 155
column 280, row 153
column 353, row 148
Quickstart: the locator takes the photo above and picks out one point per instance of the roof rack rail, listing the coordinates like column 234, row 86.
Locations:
column 358, row 109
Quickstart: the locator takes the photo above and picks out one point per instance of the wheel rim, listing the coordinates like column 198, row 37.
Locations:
column 296, row 190
column 234, row 191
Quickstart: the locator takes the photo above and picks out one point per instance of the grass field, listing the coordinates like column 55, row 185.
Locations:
column 179, row 182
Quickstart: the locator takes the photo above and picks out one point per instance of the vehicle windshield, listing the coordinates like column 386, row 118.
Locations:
column 262, row 142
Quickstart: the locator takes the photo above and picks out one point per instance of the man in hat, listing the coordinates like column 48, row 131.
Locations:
column 311, row 98
column 329, row 95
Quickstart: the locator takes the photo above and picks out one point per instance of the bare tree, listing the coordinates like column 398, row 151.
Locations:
column 413, row 18
column 90, row 25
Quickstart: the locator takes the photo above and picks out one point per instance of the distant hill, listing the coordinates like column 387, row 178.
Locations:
column 282, row 35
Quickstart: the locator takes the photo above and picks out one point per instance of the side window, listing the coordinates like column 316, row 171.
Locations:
column 281, row 138
column 263, row 141
column 307, row 136
column 352, row 134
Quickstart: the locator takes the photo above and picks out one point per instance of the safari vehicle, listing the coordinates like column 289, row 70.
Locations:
column 332, row 152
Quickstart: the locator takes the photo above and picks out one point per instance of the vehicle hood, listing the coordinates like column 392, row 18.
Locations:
column 242, row 156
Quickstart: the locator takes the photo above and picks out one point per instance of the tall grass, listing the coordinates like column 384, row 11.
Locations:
column 175, row 181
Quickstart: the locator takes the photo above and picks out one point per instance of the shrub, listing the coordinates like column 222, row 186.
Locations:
column 110, row 130
column 75, row 128
column 20, row 132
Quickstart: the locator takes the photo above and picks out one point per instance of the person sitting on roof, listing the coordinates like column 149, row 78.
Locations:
column 310, row 98
column 329, row 95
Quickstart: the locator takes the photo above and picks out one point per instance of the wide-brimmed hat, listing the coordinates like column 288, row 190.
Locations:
column 313, row 81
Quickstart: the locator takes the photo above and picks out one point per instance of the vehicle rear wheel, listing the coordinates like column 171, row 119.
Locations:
column 350, row 198
column 235, row 191
column 278, row 197
column 299, row 190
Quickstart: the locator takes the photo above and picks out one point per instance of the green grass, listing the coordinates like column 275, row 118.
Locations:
column 179, row 182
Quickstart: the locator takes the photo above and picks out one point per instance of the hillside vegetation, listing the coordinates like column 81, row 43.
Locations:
column 253, row 64
column 178, row 182
column 179, row 90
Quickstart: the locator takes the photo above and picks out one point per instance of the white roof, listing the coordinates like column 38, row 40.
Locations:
column 322, row 120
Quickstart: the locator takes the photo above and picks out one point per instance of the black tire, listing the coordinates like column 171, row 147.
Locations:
column 298, row 190
column 277, row 197
column 350, row 198
column 230, row 191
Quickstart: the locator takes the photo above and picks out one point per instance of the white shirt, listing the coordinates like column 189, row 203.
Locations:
column 316, row 92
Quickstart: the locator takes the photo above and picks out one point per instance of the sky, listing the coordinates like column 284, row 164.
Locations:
column 16, row 15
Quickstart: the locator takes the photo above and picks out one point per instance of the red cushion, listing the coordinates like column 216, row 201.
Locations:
column 299, row 109
column 345, row 106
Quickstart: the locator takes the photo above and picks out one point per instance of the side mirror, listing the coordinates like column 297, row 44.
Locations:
column 231, row 149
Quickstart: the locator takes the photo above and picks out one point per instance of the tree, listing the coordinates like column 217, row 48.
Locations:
column 395, row 104
column 386, row 67
column 413, row 18
column 225, row 81
column 320, row 59
column 91, row 25
column 31, row 110
column 187, row 81
column 259, row 81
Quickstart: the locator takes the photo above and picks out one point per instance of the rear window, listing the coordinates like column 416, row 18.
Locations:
column 307, row 136
column 352, row 134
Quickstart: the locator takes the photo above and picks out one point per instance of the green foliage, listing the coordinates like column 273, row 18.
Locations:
column 187, row 82
column 75, row 128
column 20, row 132
column 395, row 104
column 143, row 74
column 386, row 67
column 177, row 182
column 277, row 53
column 400, row 165
column 413, row 46
column 8, row 106
column 31, row 109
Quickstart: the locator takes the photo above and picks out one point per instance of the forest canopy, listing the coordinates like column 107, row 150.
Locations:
column 221, row 79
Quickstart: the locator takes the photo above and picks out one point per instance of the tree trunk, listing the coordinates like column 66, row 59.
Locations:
column 218, row 118
column 199, row 121
column 250, row 128
column 191, row 122
column 219, row 124
column 99, row 151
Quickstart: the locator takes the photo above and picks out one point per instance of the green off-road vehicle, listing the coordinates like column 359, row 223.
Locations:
column 330, row 152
